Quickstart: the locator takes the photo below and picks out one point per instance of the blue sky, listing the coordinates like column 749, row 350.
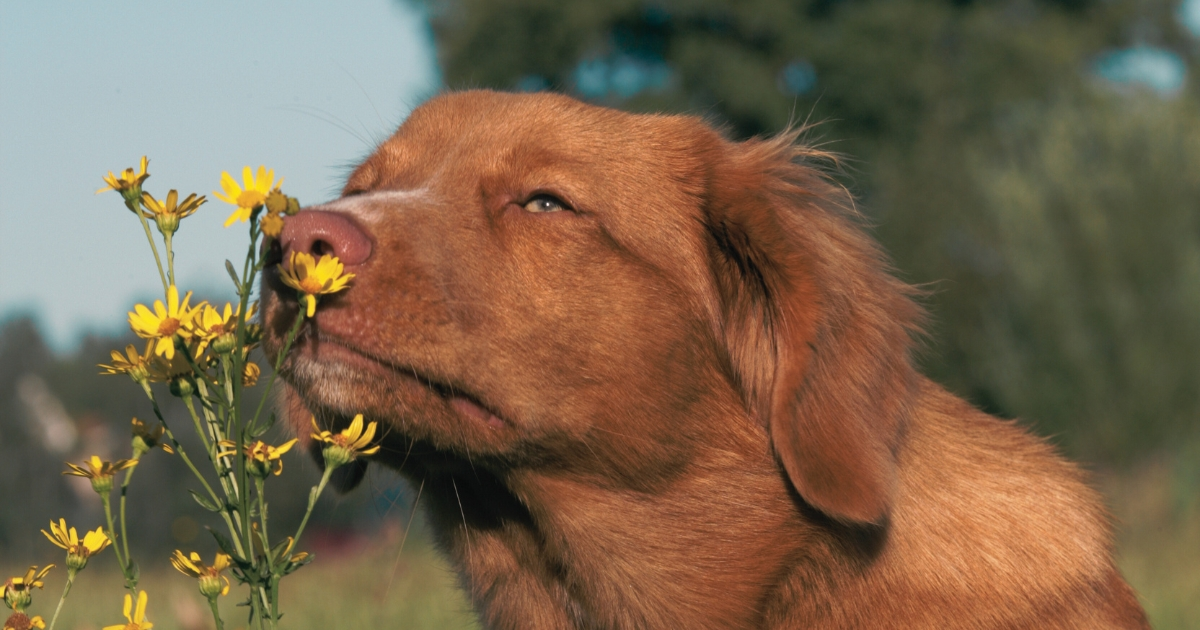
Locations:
column 305, row 87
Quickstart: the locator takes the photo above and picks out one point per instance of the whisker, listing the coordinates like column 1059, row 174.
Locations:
column 466, row 532
column 404, row 538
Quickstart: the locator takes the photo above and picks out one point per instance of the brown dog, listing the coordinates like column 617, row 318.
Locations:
column 647, row 377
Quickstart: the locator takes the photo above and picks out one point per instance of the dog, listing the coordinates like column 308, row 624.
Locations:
column 645, row 376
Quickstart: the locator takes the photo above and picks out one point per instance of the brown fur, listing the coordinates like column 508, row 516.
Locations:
column 687, row 401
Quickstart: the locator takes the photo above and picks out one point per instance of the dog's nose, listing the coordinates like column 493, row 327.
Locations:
column 319, row 232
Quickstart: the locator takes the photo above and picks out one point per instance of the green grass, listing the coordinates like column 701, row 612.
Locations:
column 1157, row 511
column 1156, row 507
column 358, row 590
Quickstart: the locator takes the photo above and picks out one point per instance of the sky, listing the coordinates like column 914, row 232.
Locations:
column 305, row 87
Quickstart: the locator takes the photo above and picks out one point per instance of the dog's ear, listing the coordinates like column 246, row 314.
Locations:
column 818, row 332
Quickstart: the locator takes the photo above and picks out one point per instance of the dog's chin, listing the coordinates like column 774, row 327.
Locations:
column 419, row 418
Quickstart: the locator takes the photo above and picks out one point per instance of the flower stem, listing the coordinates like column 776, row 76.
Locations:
column 212, row 603
column 63, row 597
column 312, row 502
column 237, row 542
column 133, row 205
column 124, row 488
column 170, row 255
column 130, row 580
column 287, row 346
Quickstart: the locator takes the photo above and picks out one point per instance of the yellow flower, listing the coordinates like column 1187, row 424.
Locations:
column 78, row 551
column 272, row 225
column 346, row 446
column 163, row 370
column 259, row 455
column 100, row 472
column 167, row 214
column 165, row 321
column 313, row 277
column 252, row 196
column 138, row 620
column 18, row 621
column 145, row 438
column 17, row 592
column 213, row 326
column 127, row 181
column 137, row 366
column 212, row 583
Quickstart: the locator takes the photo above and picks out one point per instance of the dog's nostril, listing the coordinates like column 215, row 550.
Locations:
column 320, row 248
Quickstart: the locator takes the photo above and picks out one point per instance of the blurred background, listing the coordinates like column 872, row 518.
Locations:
column 1034, row 164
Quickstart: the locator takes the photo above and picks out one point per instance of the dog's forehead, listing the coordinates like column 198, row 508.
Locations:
column 479, row 129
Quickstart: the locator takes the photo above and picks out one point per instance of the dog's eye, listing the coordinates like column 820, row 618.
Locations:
column 544, row 203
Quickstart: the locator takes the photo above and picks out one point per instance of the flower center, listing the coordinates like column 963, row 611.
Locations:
column 250, row 199
column 168, row 327
column 311, row 285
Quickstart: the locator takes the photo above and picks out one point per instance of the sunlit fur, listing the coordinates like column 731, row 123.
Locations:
column 687, row 401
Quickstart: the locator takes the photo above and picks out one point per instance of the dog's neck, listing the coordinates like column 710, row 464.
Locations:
column 541, row 549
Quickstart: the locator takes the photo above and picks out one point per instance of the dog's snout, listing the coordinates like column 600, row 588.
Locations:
column 319, row 232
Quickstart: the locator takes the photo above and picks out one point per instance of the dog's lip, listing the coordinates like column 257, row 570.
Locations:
column 460, row 400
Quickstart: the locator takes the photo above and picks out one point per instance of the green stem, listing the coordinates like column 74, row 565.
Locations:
column 217, row 433
column 262, row 520
column 130, row 581
column 133, row 206
column 287, row 346
column 63, row 598
column 212, row 603
column 212, row 494
column 312, row 502
column 238, row 428
column 170, row 256
column 124, row 487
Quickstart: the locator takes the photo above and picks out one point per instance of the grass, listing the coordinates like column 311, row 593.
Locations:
column 1156, row 508
column 1157, row 512
column 348, row 588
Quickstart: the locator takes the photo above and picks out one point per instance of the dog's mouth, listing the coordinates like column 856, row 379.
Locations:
column 317, row 351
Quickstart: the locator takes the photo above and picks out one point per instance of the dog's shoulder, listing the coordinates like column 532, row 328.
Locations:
column 991, row 527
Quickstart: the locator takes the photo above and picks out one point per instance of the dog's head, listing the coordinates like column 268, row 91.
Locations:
column 543, row 283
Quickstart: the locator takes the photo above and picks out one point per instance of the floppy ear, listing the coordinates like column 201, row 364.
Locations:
column 817, row 330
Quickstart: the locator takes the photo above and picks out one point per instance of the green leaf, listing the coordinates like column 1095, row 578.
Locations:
column 279, row 549
column 224, row 543
column 237, row 284
column 204, row 502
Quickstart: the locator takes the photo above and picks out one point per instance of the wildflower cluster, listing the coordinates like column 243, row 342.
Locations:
column 204, row 354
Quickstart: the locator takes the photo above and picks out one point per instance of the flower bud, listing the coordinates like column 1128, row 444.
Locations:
column 211, row 585
column 102, row 484
column 18, row 599
column 272, row 225
column 144, row 438
column 293, row 206
column 337, row 455
column 277, row 202
column 225, row 343
column 250, row 374
column 76, row 561
column 181, row 387
column 167, row 223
